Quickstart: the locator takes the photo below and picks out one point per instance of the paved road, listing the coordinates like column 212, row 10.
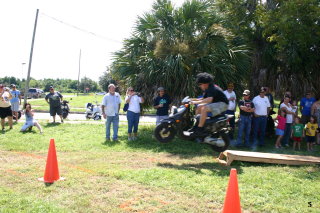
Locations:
column 81, row 117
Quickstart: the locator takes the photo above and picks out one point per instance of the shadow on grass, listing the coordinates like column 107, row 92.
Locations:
column 47, row 125
column 184, row 149
column 214, row 168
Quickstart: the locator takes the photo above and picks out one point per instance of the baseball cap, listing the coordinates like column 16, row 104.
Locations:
column 160, row 88
column 246, row 92
column 13, row 85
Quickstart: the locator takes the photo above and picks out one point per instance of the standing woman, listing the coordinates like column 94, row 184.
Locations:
column 133, row 113
column 5, row 106
column 287, row 108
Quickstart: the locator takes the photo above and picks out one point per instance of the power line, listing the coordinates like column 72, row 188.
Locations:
column 81, row 29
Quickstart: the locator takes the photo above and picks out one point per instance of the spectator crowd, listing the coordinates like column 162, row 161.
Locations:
column 254, row 122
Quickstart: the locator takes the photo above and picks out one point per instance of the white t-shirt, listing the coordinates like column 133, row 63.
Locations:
column 134, row 104
column 289, row 117
column 261, row 105
column 111, row 103
column 232, row 104
column 5, row 100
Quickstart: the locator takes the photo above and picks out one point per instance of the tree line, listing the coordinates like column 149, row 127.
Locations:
column 251, row 43
column 62, row 85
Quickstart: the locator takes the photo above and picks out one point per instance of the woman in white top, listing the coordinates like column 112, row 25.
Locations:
column 133, row 113
column 287, row 107
column 5, row 106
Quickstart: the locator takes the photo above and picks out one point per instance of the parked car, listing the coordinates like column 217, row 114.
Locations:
column 36, row 93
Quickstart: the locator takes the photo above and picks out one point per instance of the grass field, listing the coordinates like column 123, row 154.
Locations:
column 142, row 175
column 77, row 103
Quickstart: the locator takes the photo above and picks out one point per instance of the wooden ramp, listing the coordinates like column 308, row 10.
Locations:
column 228, row 156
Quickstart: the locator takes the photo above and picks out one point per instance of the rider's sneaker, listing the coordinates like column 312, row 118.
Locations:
column 199, row 131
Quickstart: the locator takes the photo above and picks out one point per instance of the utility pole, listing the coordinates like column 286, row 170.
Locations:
column 79, row 73
column 30, row 59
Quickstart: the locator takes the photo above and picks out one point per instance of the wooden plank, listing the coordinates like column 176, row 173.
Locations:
column 261, row 157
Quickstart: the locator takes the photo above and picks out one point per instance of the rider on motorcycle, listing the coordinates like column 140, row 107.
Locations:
column 214, row 101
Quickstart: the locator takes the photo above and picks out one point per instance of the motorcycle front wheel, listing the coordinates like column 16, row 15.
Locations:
column 225, row 137
column 164, row 132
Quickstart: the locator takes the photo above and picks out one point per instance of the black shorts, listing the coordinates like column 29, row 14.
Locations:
column 311, row 139
column 55, row 110
column 5, row 112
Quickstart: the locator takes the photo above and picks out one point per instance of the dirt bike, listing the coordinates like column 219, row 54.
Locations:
column 65, row 109
column 181, row 119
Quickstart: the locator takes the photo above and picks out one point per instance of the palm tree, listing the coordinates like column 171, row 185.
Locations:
column 169, row 46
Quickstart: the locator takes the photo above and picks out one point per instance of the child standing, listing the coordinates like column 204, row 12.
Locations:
column 295, row 107
column 30, row 122
column 297, row 133
column 280, row 128
column 311, row 132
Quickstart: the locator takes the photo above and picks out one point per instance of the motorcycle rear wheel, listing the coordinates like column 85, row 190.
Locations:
column 225, row 137
column 164, row 132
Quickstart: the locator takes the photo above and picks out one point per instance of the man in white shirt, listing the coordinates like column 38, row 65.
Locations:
column 231, row 96
column 110, row 110
column 261, row 111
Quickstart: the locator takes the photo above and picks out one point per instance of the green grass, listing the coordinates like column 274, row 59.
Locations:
column 142, row 175
column 77, row 103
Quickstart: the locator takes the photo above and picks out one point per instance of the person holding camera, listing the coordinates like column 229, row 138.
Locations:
column 134, row 99
column 5, row 106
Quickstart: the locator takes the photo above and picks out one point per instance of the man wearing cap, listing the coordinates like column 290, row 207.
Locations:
column 261, row 111
column 161, row 103
column 15, row 101
column 231, row 96
column 5, row 106
column 54, row 100
column 246, row 111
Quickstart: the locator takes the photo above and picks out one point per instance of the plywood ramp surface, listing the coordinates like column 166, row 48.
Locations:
column 262, row 157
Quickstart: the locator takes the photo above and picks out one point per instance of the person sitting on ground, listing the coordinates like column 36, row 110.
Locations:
column 311, row 132
column 161, row 103
column 30, row 121
column 281, row 118
column 214, row 101
column 297, row 133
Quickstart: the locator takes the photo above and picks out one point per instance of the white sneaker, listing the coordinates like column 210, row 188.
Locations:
column 130, row 138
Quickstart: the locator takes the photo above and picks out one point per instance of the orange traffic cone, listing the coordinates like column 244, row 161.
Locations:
column 232, row 200
column 51, row 174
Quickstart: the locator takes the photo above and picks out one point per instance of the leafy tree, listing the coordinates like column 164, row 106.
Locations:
column 105, row 80
column 88, row 83
column 170, row 46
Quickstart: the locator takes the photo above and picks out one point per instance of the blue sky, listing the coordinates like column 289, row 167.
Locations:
column 57, row 45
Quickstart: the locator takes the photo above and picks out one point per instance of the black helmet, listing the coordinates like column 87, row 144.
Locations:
column 204, row 78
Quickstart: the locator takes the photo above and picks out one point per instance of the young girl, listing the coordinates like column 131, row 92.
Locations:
column 280, row 128
column 297, row 133
column 311, row 132
column 30, row 122
column 295, row 107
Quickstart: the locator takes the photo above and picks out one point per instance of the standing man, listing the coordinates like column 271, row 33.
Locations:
column 15, row 101
column 54, row 100
column 5, row 106
column 110, row 111
column 161, row 103
column 246, row 111
column 305, row 107
column 261, row 111
column 231, row 96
